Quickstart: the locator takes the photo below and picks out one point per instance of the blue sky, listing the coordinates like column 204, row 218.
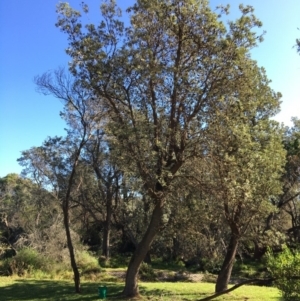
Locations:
column 30, row 44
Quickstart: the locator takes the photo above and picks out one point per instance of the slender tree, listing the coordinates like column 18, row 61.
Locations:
column 108, row 175
column 56, row 161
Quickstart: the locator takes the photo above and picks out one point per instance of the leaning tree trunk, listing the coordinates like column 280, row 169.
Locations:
column 226, row 269
column 131, row 283
column 71, row 249
column 66, row 207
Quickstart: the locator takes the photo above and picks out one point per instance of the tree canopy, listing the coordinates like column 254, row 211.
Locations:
column 178, row 88
column 169, row 136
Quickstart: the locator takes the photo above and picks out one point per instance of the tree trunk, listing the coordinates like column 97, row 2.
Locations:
column 259, row 252
column 226, row 269
column 148, row 258
column 71, row 249
column 131, row 283
column 107, row 227
column 175, row 251
column 65, row 207
column 106, row 239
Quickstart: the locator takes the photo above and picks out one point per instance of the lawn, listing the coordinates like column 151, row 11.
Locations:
column 18, row 289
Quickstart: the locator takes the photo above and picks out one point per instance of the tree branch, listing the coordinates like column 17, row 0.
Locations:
column 256, row 280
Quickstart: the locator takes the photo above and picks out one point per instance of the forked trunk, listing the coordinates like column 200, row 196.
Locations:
column 131, row 283
column 226, row 269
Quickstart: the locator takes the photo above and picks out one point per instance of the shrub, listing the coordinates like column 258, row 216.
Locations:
column 285, row 267
column 117, row 261
column 87, row 263
column 147, row 272
column 209, row 266
column 25, row 262
column 249, row 268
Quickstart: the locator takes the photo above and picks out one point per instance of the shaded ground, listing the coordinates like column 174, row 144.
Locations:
column 165, row 276
column 27, row 290
column 42, row 290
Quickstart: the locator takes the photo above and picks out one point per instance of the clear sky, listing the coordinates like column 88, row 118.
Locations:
column 30, row 44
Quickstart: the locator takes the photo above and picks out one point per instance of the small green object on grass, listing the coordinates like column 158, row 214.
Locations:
column 102, row 290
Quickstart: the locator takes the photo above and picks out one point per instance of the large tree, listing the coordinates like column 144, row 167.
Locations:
column 247, row 159
column 159, row 81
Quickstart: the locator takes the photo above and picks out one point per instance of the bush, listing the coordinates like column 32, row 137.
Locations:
column 249, row 268
column 147, row 272
column 118, row 261
column 284, row 267
column 209, row 266
column 87, row 263
column 25, row 262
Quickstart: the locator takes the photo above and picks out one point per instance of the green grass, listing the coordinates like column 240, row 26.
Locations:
column 18, row 289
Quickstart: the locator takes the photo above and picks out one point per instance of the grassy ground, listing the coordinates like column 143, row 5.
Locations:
column 18, row 289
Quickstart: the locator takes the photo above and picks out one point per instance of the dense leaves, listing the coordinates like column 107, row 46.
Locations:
column 285, row 268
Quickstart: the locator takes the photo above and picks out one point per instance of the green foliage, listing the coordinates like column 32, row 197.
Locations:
column 210, row 266
column 180, row 264
column 25, row 262
column 249, row 269
column 87, row 264
column 284, row 267
column 28, row 262
column 118, row 261
column 184, row 105
column 171, row 265
column 147, row 272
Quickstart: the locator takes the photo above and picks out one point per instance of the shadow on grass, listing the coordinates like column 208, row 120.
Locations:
column 34, row 290
column 54, row 290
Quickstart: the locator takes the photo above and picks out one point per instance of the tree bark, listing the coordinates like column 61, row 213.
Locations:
column 259, row 252
column 66, row 207
column 106, row 241
column 131, row 283
column 226, row 269
column 107, row 227
column 148, row 258
column 175, row 251
column 71, row 249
